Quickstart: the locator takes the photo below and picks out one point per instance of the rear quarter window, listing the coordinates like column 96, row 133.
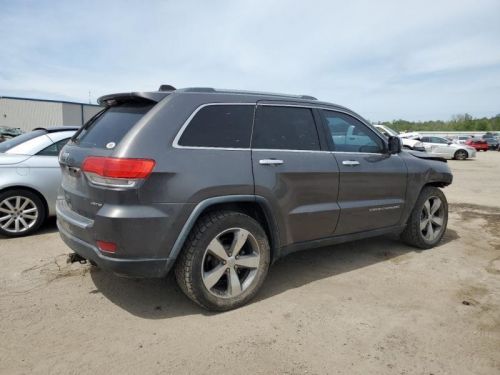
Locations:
column 223, row 126
column 109, row 128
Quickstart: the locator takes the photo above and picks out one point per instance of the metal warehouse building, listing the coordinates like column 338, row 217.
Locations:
column 27, row 114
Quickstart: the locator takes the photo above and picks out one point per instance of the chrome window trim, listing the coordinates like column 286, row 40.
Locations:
column 175, row 143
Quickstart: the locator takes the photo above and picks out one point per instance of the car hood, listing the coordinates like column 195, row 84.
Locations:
column 8, row 159
column 425, row 155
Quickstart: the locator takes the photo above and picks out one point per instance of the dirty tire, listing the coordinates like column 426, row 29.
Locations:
column 412, row 234
column 189, row 266
column 25, row 195
column 461, row 155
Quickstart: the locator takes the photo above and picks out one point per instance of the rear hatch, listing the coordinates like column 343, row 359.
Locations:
column 84, row 193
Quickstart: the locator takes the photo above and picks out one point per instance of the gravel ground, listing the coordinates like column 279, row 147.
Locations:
column 369, row 307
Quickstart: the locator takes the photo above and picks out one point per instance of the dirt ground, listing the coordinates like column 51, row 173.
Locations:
column 369, row 307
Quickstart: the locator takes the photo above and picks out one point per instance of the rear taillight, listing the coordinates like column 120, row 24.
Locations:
column 117, row 172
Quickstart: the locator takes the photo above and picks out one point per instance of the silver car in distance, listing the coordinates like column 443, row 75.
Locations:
column 29, row 179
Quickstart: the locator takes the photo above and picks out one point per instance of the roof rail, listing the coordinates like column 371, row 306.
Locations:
column 198, row 89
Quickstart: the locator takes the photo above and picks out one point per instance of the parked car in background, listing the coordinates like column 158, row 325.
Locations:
column 493, row 142
column 478, row 144
column 29, row 179
column 408, row 143
column 234, row 182
column 442, row 147
column 461, row 139
column 7, row 133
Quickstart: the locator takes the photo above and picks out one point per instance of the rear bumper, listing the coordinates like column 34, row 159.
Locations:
column 125, row 267
column 144, row 236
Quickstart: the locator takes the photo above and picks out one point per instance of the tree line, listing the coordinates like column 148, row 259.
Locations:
column 462, row 122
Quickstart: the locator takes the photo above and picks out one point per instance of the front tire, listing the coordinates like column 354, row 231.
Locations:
column 224, row 262
column 21, row 213
column 428, row 219
column 461, row 155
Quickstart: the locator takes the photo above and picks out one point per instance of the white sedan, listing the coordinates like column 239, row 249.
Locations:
column 444, row 148
column 29, row 179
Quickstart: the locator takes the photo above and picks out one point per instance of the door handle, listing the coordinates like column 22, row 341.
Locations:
column 350, row 163
column 270, row 162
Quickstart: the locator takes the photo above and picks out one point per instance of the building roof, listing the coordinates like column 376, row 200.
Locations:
column 47, row 100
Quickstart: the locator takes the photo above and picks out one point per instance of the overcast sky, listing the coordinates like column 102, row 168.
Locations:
column 415, row 60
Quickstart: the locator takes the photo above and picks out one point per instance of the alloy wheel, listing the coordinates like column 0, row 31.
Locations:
column 230, row 263
column 17, row 214
column 432, row 218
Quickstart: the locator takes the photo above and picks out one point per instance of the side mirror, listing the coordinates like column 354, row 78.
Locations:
column 394, row 145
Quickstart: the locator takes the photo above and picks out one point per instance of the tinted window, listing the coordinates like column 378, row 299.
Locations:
column 112, row 125
column 54, row 149
column 351, row 135
column 227, row 126
column 285, row 128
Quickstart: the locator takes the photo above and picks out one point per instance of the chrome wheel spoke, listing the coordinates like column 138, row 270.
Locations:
column 25, row 203
column 29, row 210
column 423, row 224
column 430, row 231
column 5, row 210
column 24, row 223
column 240, row 238
column 8, row 223
column 435, row 206
column 16, row 225
column 9, row 205
column 437, row 220
column 427, row 207
column 29, row 217
column 18, row 203
column 215, row 247
column 212, row 277
column 234, row 283
column 247, row 261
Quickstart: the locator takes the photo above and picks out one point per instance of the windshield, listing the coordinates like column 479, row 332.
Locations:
column 7, row 145
column 386, row 129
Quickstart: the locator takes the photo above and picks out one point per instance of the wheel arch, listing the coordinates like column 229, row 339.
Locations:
column 254, row 206
column 32, row 190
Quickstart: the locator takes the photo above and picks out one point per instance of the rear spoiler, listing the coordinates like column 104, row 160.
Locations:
column 137, row 97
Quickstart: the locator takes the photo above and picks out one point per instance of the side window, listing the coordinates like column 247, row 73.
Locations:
column 439, row 140
column 285, row 128
column 425, row 139
column 54, row 148
column 351, row 135
column 228, row 126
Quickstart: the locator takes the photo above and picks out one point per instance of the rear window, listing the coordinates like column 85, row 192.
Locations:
column 109, row 128
column 228, row 126
column 11, row 143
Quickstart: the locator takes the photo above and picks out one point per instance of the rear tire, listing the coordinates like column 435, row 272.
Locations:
column 428, row 219
column 224, row 262
column 21, row 212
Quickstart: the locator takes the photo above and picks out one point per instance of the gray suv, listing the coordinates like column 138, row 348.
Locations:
column 219, row 184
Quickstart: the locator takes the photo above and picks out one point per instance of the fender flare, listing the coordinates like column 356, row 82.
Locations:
column 203, row 205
